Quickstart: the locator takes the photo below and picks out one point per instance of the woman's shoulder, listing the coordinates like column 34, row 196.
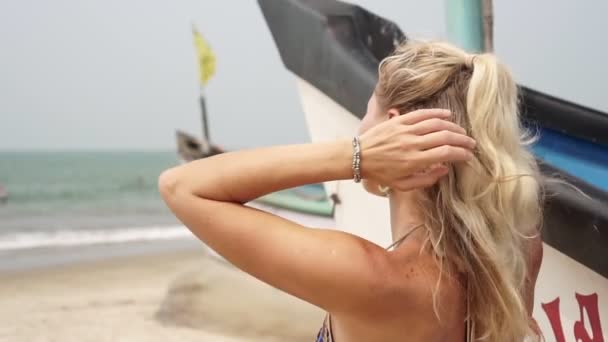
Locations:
column 414, row 291
column 415, row 278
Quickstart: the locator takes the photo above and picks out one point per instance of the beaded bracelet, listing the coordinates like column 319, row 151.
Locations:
column 356, row 159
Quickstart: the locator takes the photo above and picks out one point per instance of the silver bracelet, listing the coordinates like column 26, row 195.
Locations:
column 356, row 159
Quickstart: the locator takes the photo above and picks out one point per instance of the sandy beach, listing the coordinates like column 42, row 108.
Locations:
column 184, row 295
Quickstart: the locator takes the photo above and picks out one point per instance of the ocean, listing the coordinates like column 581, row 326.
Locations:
column 59, row 199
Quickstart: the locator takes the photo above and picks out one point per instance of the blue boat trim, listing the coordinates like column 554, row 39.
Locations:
column 575, row 156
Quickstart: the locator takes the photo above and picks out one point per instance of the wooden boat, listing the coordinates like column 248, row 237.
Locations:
column 333, row 49
column 190, row 148
column 309, row 199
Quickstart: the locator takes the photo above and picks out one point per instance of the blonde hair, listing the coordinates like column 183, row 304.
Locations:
column 481, row 214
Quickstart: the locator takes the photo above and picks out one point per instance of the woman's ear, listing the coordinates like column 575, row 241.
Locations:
column 393, row 112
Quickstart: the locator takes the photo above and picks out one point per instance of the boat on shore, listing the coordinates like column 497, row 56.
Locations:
column 190, row 148
column 346, row 43
column 308, row 199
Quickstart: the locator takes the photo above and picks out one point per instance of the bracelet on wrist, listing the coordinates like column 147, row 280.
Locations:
column 356, row 159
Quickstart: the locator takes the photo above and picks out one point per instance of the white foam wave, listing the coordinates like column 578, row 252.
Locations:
column 65, row 238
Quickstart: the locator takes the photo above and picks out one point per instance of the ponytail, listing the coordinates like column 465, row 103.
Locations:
column 481, row 214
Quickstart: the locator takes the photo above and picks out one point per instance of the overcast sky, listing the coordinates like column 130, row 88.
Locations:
column 121, row 74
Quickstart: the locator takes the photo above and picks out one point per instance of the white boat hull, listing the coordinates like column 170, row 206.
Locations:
column 571, row 302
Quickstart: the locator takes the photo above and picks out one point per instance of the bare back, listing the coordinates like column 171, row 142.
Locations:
column 399, row 318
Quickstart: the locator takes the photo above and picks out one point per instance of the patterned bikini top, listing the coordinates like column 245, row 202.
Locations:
column 325, row 333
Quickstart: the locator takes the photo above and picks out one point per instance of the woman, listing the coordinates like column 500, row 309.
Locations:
column 464, row 204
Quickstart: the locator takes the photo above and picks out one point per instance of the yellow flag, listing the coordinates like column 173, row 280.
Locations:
column 206, row 58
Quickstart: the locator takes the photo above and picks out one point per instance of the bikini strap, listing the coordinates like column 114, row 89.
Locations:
column 470, row 327
column 400, row 240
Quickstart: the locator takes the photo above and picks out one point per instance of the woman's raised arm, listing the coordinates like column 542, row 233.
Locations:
column 207, row 195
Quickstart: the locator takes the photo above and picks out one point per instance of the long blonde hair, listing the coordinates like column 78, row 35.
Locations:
column 481, row 214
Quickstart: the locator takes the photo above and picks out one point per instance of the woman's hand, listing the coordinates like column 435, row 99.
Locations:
column 408, row 151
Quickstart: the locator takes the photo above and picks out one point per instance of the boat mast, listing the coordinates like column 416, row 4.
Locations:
column 206, row 61
column 470, row 24
column 206, row 135
column 487, row 11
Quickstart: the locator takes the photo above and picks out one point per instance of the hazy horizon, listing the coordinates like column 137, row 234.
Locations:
column 113, row 75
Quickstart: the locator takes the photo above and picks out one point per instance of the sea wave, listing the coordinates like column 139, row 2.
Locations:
column 41, row 238
column 66, row 238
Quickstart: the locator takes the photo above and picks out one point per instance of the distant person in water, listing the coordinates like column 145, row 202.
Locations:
column 3, row 194
column 465, row 206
